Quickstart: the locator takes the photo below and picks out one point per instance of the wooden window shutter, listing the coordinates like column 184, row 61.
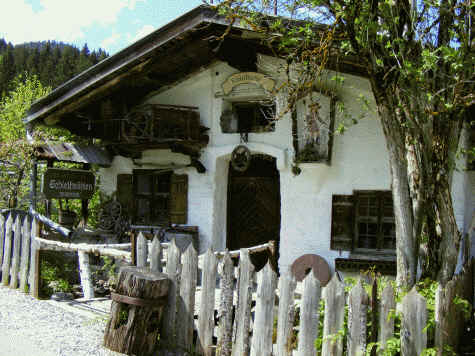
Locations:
column 125, row 193
column 178, row 199
column 342, row 223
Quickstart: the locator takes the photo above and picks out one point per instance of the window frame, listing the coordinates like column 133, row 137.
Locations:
column 379, row 220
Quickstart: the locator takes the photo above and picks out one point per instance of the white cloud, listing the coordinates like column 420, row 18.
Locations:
column 142, row 32
column 63, row 20
column 109, row 41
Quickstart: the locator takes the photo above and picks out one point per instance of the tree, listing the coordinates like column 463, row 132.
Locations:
column 16, row 151
column 419, row 57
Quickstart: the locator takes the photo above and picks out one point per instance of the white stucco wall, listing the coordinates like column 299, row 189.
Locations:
column 359, row 161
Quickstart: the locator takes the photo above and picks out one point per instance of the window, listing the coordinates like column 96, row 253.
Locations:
column 363, row 222
column 155, row 198
column 248, row 116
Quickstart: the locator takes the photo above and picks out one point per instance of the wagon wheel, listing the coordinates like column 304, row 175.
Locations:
column 109, row 215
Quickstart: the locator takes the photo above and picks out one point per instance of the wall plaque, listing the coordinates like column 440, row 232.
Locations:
column 247, row 77
column 68, row 184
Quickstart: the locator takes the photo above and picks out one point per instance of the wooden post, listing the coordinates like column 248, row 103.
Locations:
column 242, row 320
column 15, row 268
column 136, row 311
column 186, row 302
column 156, row 255
column 48, row 202
column 25, row 254
column 85, row 202
column 309, row 315
column 413, row 322
column 33, row 180
column 2, row 237
column 142, row 250
column 286, row 314
column 224, row 345
column 85, row 274
column 173, row 273
column 206, row 316
column 358, row 301
column 334, row 296
column 35, row 262
column 133, row 248
column 386, row 324
column 264, row 317
column 7, row 254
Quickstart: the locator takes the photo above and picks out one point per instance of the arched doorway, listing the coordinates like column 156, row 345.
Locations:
column 253, row 216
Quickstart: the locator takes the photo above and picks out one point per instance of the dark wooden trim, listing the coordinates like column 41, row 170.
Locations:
column 356, row 265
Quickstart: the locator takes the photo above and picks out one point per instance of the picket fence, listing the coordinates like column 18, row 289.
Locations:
column 245, row 320
column 238, row 308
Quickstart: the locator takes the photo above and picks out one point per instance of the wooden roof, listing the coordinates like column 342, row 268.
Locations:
column 169, row 55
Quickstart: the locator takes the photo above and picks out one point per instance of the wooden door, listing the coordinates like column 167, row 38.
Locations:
column 254, row 205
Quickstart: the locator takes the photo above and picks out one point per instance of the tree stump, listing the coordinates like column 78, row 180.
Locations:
column 136, row 311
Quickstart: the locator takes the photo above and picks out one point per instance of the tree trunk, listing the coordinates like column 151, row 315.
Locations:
column 135, row 322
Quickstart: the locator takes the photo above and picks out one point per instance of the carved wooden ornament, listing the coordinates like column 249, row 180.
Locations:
column 241, row 158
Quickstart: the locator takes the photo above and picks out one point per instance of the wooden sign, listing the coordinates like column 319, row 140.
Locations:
column 247, row 77
column 68, row 184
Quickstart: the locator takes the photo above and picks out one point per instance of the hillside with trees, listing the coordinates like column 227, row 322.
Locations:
column 51, row 62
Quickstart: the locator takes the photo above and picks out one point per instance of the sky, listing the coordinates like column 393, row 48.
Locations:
column 108, row 24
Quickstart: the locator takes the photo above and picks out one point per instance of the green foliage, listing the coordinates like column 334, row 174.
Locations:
column 56, row 277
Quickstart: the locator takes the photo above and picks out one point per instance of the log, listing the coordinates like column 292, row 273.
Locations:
column 55, row 226
column 225, row 316
column 243, row 314
column 25, row 254
column 358, row 301
column 386, row 324
column 413, row 322
column 156, row 255
column 7, row 254
column 309, row 315
column 334, row 296
column 142, row 250
column 286, row 314
column 136, row 311
column 34, row 277
column 2, row 237
column 45, row 244
column 264, row 318
column 186, row 301
column 206, row 316
column 85, row 275
column 15, row 268
column 173, row 272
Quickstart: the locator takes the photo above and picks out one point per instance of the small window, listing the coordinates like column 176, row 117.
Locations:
column 249, row 116
column 374, row 221
column 152, row 193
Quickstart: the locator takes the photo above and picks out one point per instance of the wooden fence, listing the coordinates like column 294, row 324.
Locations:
column 237, row 311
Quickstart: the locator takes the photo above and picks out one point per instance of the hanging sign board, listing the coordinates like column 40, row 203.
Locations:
column 68, row 184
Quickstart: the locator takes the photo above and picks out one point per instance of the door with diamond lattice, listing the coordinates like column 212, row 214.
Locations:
column 253, row 205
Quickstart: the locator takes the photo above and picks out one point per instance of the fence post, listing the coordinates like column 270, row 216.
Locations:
column 386, row 324
column 16, row 253
column 7, row 255
column 286, row 314
column 413, row 322
column 309, row 315
column 173, row 270
column 358, row 306
column 142, row 250
column 186, row 302
column 85, row 274
column 334, row 296
column 242, row 320
column 224, row 344
column 156, row 255
column 264, row 317
column 25, row 254
column 206, row 317
column 2, row 237
column 35, row 275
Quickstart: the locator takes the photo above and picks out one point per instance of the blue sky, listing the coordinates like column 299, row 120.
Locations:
column 109, row 24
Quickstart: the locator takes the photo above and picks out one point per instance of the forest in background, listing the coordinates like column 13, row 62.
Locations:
column 53, row 63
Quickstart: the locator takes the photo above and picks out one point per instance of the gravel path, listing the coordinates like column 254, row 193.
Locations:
column 30, row 327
